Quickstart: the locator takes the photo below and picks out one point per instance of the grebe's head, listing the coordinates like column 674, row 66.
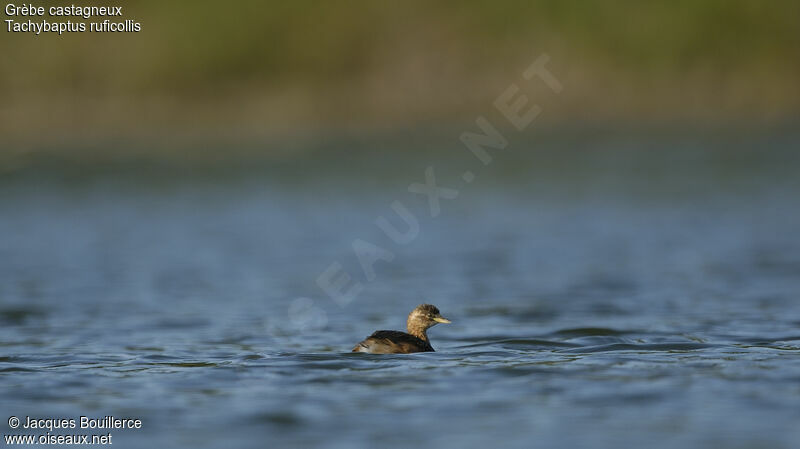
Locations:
column 425, row 316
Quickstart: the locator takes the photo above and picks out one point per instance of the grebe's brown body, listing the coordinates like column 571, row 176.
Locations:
column 419, row 321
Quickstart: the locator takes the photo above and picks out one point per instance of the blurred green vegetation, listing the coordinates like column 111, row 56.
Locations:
column 260, row 68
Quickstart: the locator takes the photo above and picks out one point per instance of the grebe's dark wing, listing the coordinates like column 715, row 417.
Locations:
column 392, row 342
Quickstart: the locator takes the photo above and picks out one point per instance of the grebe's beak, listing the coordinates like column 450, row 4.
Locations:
column 441, row 319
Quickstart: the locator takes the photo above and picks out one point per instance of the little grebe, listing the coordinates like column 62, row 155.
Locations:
column 396, row 342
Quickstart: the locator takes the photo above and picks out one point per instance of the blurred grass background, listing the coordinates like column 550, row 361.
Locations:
column 256, row 71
